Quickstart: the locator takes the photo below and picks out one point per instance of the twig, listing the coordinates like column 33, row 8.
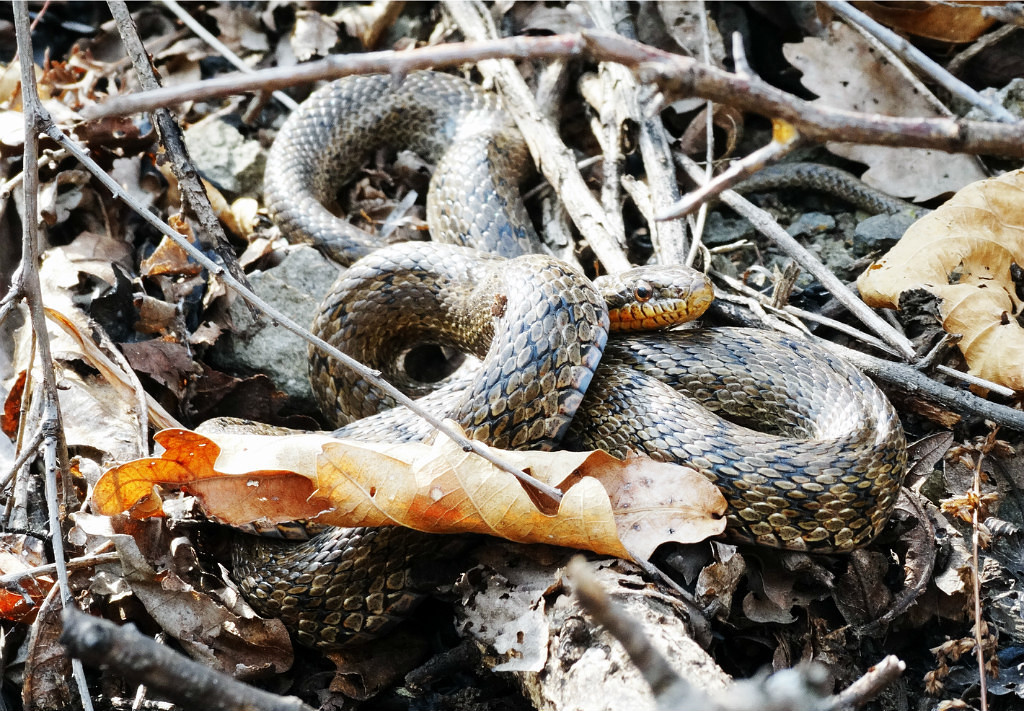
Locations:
column 985, row 42
column 638, row 103
column 27, row 452
column 139, row 659
column 193, row 195
column 784, row 141
column 908, row 379
column 225, row 51
column 555, row 161
column 371, row 376
column 697, row 226
column 680, row 76
column 85, row 561
column 920, row 60
column 806, row 315
column 979, row 622
column 784, row 690
column 868, row 686
column 341, row 65
column 55, row 455
column 764, row 224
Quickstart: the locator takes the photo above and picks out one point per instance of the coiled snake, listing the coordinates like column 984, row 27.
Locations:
column 822, row 475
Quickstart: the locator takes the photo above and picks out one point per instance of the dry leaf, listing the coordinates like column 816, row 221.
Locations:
column 609, row 506
column 846, row 73
column 945, row 22
column 962, row 253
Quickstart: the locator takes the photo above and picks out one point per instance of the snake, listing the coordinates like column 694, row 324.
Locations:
column 808, row 452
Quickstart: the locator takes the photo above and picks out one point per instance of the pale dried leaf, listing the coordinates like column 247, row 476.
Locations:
column 962, row 253
column 846, row 73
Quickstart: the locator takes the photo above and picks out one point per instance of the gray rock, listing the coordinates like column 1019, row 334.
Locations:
column 225, row 157
column 811, row 223
column 296, row 287
column 880, row 233
column 719, row 230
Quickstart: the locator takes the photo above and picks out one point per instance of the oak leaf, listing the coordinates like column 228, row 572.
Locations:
column 845, row 72
column 963, row 254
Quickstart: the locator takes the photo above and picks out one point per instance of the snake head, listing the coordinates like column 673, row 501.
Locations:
column 654, row 297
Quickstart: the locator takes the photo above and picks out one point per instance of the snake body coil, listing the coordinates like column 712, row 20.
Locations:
column 824, row 478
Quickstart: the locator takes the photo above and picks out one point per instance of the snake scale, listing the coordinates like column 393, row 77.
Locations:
column 821, row 474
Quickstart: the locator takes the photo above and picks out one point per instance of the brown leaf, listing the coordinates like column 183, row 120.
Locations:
column 187, row 463
column 963, row 253
column 609, row 506
column 945, row 22
column 168, row 363
column 12, row 406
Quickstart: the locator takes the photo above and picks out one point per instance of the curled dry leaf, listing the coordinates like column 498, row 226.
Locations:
column 623, row 508
column 963, row 253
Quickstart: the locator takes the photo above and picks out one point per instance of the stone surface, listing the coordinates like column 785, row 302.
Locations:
column 296, row 286
column 225, row 157
column 880, row 233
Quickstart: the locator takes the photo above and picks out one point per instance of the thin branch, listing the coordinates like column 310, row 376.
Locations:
column 908, row 379
column 278, row 317
column 80, row 563
column 27, row 452
column 631, row 100
column 55, row 455
column 193, row 195
column 342, row 65
column 770, row 229
column 787, row 689
column 141, row 660
column 680, row 77
column 677, row 76
column 225, row 51
column 783, row 143
column 920, row 60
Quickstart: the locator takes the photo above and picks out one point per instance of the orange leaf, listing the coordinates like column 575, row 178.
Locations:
column 609, row 506
column 187, row 463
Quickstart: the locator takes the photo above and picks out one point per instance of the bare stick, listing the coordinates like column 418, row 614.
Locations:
column 27, row 452
column 55, row 455
column 371, row 376
column 920, row 60
column 140, row 660
column 631, row 100
column 868, row 686
column 225, row 51
column 678, row 76
column 784, row 141
column 681, row 76
column 770, row 229
column 342, row 65
column 85, row 561
column 555, row 161
column 801, row 687
column 908, row 379
column 193, row 194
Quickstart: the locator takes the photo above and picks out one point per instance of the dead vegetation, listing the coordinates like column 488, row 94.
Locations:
column 126, row 311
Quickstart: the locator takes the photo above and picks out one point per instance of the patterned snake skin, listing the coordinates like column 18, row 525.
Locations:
column 821, row 475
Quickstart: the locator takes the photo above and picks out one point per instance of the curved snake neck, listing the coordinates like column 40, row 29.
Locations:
column 825, row 479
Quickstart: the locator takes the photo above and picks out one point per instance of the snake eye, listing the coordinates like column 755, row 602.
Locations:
column 643, row 292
